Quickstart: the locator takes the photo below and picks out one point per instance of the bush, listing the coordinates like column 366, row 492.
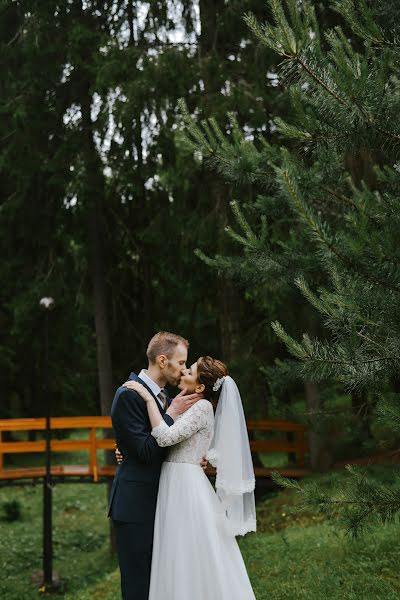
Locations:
column 11, row 511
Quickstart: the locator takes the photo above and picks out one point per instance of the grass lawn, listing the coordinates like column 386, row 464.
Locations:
column 292, row 557
column 80, row 539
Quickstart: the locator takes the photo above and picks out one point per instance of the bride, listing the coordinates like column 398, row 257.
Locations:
column 195, row 553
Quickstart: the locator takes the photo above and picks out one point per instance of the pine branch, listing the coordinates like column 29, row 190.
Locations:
column 349, row 202
column 282, row 39
column 362, row 22
column 361, row 499
column 308, row 69
column 319, row 231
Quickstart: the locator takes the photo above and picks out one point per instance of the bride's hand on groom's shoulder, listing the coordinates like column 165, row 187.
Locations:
column 139, row 389
column 182, row 402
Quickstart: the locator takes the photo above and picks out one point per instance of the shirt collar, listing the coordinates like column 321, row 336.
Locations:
column 155, row 388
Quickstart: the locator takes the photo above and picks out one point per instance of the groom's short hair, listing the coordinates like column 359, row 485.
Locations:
column 164, row 342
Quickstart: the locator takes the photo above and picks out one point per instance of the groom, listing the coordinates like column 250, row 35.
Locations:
column 134, row 491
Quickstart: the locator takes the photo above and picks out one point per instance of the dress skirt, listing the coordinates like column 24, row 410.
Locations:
column 194, row 555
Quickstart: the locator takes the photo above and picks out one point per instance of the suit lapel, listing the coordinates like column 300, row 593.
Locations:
column 134, row 377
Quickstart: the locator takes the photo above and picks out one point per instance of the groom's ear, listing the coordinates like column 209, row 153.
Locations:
column 162, row 361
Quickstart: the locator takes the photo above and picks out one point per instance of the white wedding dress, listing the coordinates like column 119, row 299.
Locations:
column 195, row 557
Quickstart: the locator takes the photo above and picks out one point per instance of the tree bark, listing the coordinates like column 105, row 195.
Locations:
column 321, row 454
column 360, row 410
column 320, row 448
column 97, row 272
column 208, row 52
column 209, row 10
column 94, row 199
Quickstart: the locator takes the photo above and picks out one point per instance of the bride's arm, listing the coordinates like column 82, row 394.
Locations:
column 193, row 420
column 155, row 417
column 180, row 404
column 152, row 408
column 168, row 435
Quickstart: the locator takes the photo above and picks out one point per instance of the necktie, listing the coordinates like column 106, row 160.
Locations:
column 163, row 399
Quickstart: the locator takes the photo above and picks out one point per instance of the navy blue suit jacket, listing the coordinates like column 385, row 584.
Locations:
column 134, row 491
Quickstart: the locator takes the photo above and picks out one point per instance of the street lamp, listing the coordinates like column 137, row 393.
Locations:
column 48, row 583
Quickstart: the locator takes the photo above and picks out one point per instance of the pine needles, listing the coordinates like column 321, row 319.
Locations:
column 332, row 177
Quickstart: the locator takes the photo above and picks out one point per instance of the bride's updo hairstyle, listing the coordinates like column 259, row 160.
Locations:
column 208, row 371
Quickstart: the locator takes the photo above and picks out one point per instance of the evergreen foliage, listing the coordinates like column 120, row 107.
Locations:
column 335, row 175
column 96, row 180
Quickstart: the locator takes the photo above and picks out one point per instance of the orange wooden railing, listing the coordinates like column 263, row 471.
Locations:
column 298, row 447
column 91, row 444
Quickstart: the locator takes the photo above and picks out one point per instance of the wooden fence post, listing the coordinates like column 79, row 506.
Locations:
column 93, row 455
column 300, row 454
column 1, row 453
column 291, row 438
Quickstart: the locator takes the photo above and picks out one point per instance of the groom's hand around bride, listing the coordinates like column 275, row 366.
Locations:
column 182, row 402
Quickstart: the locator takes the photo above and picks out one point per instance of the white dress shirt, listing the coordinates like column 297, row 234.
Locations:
column 155, row 388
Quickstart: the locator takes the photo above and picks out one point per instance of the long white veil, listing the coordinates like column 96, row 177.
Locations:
column 230, row 454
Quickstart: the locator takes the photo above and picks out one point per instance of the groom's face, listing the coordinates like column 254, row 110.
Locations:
column 176, row 364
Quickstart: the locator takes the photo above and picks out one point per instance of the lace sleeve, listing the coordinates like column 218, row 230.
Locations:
column 194, row 419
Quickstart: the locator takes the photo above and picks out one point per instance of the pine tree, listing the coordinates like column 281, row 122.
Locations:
column 89, row 104
column 336, row 169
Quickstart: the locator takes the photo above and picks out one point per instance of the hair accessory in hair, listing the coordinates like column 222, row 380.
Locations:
column 218, row 384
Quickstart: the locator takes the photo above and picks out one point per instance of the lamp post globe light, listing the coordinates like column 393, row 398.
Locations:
column 47, row 303
column 48, row 584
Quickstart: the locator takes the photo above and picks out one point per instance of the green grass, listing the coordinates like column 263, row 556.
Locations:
column 80, row 539
column 274, row 459
column 293, row 556
column 316, row 562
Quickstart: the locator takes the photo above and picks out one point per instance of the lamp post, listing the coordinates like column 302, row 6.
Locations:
column 48, row 583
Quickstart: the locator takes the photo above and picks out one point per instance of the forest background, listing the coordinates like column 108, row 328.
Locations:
column 105, row 203
column 228, row 170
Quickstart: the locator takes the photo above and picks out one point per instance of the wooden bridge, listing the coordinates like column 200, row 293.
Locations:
column 293, row 444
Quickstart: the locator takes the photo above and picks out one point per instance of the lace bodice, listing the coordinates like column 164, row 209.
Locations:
column 190, row 435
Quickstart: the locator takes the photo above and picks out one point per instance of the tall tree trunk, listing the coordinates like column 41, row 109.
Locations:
column 208, row 54
column 320, row 448
column 134, row 129
column 97, row 272
column 360, row 410
column 228, row 298
column 321, row 455
column 94, row 199
column 209, row 11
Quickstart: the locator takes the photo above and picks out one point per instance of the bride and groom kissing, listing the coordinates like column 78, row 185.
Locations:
column 175, row 535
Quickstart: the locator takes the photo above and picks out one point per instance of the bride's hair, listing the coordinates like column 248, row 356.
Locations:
column 208, row 371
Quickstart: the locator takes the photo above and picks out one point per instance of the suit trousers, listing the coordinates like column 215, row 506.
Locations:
column 134, row 547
